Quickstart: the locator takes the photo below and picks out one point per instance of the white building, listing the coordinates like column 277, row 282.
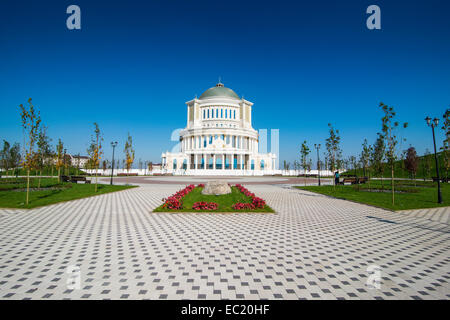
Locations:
column 219, row 138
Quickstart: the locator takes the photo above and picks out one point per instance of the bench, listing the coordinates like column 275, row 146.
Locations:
column 126, row 174
column 363, row 180
column 65, row 178
column 75, row 179
column 351, row 180
column 445, row 180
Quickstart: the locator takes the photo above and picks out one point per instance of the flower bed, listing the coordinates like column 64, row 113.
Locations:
column 191, row 199
column 175, row 202
column 257, row 203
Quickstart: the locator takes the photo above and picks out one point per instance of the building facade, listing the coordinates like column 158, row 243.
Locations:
column 219, row 138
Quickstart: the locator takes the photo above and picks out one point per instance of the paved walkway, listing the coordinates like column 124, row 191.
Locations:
column 435, row 214
column 315, row 247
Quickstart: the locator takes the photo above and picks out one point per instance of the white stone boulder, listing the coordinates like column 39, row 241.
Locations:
column 216, row 187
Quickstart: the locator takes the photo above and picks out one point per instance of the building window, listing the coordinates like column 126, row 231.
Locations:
column 174, row 164
column 262, row 164
column 253, row 165
column 234, row 114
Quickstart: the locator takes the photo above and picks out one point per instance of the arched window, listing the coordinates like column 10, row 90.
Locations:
column 262, row 164
column 221, row 112
column 226, row 113
column 174, row 164
column 234, row 114
column 207, row 114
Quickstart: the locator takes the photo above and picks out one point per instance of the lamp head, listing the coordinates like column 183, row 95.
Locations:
column 428, row 120
column 436, row 121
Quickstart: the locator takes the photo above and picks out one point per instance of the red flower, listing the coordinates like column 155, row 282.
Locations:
column 202, row 205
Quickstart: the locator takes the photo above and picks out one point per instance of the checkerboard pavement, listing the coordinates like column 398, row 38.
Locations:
column 314, row 247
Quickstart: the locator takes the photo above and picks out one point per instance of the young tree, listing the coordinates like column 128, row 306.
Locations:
column 304, row 152
column 388, row 128
column 446, row 143
column 352, row 162
column 333, row 148
column 129, row 153
column 377, row 157
column 365, row 156
column 411, row 162
column 44, row 151
column 31, row 121
column 95, row 151
column 5, row 156
column 15, row 157
column 59, row 157
column 104, row 166
column 150, row 166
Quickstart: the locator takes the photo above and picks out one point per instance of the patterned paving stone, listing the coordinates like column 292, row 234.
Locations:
column 315, row 247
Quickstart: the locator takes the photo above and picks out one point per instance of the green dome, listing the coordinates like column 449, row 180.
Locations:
column 219, row 91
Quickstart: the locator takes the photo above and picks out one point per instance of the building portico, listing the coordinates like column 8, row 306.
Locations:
column 219, row 138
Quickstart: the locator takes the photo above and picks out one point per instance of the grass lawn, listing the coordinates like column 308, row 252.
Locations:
column 225, row 201
column 13, row 192
column 424, row 195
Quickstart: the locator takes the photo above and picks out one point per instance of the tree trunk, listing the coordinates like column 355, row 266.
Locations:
column 59, row 174
column 96, row 178
column 28, row 184
column 39, row 181
column 392, row 183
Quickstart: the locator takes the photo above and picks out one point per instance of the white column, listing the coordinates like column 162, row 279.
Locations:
column 241, row 162
column 223, row 161
column 214, row 161
column 196, row 161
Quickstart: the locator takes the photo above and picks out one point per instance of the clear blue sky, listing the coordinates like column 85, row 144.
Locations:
column 304, row 64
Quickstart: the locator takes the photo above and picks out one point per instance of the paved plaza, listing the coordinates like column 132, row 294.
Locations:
column 314, row 247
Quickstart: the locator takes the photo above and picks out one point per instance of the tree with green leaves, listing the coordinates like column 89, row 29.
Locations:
column 15, row 157
column 446, row 143
column 377, row 157
column 44, row 151
column 304, row 152
column 352, row 162
column 411, row 162
column 5, row 156
column 333, row 149
column 365, row 156
column 31, row 121
column 129, row 153
column 389, row 127
column 95, row 151
column 59, row 157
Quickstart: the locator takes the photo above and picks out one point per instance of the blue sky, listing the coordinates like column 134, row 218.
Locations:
column 304, row 64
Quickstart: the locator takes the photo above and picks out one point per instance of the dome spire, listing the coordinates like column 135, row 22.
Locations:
column 219, row 84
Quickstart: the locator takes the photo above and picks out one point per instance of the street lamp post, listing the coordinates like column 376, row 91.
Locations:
column 432, row 125
column 113, row 145
column 317, row 146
